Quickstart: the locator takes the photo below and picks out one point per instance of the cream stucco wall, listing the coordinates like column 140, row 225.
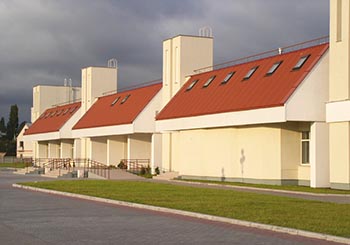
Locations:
column 67, row 148
column 99, row 149
column 94, row 82
column 339, row 94
column 339, row 135
column 45, row 97
column 116, row 149
column 25, row 148
column 54, row 149
column 139, row 146
column 339, row 86
column 258, row 154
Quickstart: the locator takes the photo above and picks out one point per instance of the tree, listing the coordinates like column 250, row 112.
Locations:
column 2, row 125
column 12, row 124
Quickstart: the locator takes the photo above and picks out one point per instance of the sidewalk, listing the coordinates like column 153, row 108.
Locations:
column 335, row 198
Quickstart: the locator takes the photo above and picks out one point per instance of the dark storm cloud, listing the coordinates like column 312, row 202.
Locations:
column 43, row 42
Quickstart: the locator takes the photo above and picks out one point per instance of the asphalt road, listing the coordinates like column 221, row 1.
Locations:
column 36, row 218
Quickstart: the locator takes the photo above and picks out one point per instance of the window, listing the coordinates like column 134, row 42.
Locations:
column 58, row 112
column 192, row 85
column 115, row 101
column 65, row 111
column 273, row 68
column 228, row 77
column 21, row 144
column 207, row 83
column 72, row 109
column 305, row 147
column 250, row 72
column 301, row 62
column 125, row 99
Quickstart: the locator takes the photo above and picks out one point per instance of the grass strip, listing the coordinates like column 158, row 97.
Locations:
column 274, row 187
column 13, row 165
column 315, row 216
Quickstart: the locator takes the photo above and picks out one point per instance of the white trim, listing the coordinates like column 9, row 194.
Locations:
column 338, row 111
column 257, row 116
column 42, row 137
column 103, row 131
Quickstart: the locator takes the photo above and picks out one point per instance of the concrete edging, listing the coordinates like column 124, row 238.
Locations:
column 280, row 229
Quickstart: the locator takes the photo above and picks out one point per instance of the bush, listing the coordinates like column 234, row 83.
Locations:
column 122, row 165
column 157, row 171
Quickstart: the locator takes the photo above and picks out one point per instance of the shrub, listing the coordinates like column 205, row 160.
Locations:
column 157, row 171
column 122, row 165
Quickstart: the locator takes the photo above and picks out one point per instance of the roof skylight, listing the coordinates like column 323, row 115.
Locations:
column 125, row 99
column 301, row 62
column 115, row 101
column 250, row 72
column 228, row 77
column 65, row 111
column 273, row 68
column 192, row 85
column 208, row 82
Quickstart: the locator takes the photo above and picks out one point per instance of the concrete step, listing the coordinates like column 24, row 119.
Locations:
column 58, row 173
column 166, row 176
column 24, row 170
column 30, row 170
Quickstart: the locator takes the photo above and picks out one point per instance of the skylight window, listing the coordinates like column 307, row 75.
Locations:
column 58, row 112
column 301, row 62
column 273, row 68
column 207, row 83
column 192, row 85
column 250, row 72
column 125, row 99
column 115, row 101
column 53, row 113
column 228, row 77
column 65, row 111
column 72, row 109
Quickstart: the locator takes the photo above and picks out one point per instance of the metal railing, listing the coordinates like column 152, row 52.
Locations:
column 72, row 164
column 266, row 54
column 97, row 168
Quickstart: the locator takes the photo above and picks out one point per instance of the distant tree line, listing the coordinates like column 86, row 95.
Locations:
column 9, row 132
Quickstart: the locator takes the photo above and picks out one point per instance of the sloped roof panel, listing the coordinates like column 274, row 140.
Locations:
column 53, row 119
column 259, row 91
column 111, row 111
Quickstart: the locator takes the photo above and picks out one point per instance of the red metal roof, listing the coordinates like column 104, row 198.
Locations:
column 259, row 91
column 103, row 113
column 53, row 119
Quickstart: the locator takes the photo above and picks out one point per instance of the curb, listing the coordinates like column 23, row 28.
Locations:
column 264, row 189
column 279, row 229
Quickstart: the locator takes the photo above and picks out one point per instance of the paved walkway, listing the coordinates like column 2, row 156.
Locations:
column 336, row 198
column 28, row 217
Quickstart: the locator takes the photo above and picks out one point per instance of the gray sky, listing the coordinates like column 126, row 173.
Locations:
column 43, row 42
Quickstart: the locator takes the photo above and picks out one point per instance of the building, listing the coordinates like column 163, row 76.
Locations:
column 24, row 147
column 278, row 119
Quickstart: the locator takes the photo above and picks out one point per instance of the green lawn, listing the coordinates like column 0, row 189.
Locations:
column 276, row 187
column 329, row 218
column 13, row 165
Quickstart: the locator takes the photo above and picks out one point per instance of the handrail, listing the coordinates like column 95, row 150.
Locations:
column 97, row 168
